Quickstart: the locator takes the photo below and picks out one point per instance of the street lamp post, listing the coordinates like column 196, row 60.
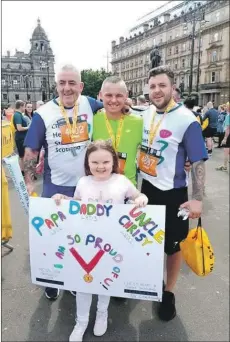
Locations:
column 192, row 52
column 196, row 17
column 202, row 23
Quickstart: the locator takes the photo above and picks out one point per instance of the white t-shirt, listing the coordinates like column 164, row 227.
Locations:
column 114, row 190
column 178, row 138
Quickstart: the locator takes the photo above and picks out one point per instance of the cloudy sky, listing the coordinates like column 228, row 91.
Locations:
column 79, row 32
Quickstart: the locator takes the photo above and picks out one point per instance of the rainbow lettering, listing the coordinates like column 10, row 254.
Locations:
column 50, row 222
column 141, row 229
column 89, row 209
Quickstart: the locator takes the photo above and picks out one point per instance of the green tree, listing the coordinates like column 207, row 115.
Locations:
column 93, row 80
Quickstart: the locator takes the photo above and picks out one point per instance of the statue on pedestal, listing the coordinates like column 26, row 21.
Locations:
column 155, row 57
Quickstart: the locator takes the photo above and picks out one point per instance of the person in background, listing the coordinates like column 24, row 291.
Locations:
column 210, row 131
column 141, row 105
column 39, row 104
column 9, row 112
column 220, row 125
column 177, row 95
column 29, row 111
column 134, row 101
column 21, row 127
column 226, row 141
column 141, row 101
column 190, row 103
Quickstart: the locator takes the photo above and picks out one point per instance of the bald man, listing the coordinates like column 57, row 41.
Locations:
column 125, row 131
column 52, row 128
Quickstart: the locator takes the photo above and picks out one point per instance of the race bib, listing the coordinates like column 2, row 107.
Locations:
column 148, row 162
column 80, row 135
column 122, row 161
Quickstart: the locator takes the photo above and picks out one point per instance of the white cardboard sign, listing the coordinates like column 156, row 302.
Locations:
column 114, row 250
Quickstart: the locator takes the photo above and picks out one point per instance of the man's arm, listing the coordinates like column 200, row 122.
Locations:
column 33, row 143
column 30, row 162
column 197, row 154
column 198, row 180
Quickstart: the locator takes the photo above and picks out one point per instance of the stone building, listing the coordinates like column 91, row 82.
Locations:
column 29, row 76
column 170, row 28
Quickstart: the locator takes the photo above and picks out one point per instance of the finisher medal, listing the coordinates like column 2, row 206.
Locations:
column 88, row 278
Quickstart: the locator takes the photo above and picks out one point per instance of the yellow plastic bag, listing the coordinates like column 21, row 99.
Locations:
column 197, row 251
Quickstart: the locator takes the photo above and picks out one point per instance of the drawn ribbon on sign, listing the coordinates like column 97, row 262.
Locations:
column 88, row 267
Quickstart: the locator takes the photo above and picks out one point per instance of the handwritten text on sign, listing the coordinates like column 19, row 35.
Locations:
column 115, row 250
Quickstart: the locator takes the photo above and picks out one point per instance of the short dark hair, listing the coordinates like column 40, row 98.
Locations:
column 189, row 103
column 162, row 69
column 19, row 104
column 101, row 145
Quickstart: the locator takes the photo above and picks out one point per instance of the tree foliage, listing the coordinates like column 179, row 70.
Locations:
column 93, row 80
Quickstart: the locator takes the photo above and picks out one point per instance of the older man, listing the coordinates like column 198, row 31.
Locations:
column 63, row 126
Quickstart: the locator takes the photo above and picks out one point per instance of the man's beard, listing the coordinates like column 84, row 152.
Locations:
column 164, row 104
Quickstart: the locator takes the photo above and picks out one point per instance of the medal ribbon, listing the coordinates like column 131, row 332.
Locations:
column 71, row 128
column 153, row 130
column 115, row 140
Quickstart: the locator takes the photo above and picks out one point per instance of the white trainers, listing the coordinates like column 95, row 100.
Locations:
column 101, row 323
column 78, row 332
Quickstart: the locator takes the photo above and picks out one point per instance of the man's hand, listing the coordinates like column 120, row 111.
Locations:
column 187, row 166
column 194, row 207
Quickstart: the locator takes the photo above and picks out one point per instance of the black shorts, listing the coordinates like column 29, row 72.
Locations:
column 176, row 229
column 20, row 147
column 209, row 132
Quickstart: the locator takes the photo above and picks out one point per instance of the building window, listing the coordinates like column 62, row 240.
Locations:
column 170, row 37
column 4, row 97
column 214, row 56
column 183, row 63
column 213, row 80
column 217, row 17
column 183, row 47
column 15, row 82
column 176, row 66
column 16, row 97
column 170, row 51
column 28, row 97
column 3, row 82
column 215, row 37
column 176, row 49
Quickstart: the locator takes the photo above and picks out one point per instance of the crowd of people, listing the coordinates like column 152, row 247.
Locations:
column 94, row 148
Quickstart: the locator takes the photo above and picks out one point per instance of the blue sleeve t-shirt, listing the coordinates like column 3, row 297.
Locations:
column 18, row 119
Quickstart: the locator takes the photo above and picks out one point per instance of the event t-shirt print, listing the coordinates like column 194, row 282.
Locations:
column 112, row 255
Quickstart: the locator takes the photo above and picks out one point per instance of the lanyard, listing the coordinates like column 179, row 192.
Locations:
column 115, row 140
column 71, row 128
column 153, row 130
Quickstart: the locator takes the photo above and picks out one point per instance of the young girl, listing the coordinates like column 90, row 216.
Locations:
column 102, row 183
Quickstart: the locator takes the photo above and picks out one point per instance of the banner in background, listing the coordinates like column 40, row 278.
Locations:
column 12, row 164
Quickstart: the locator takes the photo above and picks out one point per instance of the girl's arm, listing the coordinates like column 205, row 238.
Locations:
column 135, row 195
column 141, row 200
